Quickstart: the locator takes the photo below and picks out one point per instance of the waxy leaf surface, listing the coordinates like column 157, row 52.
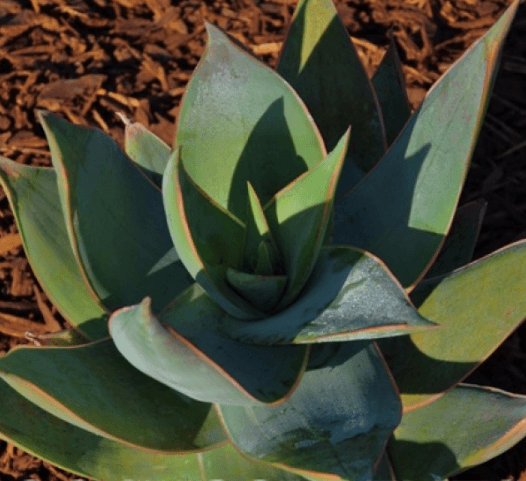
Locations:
column 261, row 291
column 185, row 351
column 403, row 209
column 239, row 122
column 96, row 389
column 258, row 232
column 114, row 217
column 351, row 295
column 322, row 65
column 461, row 239
column 86, row 454
column 483, row 302
column 33, row 195
column 299, row 215
column 216, row 233
column 389, row 84
column 468, row 426
column 206, row 234
column 228, row 465
column 147, row 150
column 336, row 423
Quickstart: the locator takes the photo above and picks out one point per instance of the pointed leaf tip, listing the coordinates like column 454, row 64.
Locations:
column 269, row 138
column 299, row 216
column 205, row 234
column 404, row 208
column 98, row 188
column 186, row 351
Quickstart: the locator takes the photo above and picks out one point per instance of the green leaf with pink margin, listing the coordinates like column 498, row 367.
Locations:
column 147, row 150
column 114, row 217
column 403, row 209
column 240, row 121
column 320, row 62
column 86, row 454
column 468, row 426
column 389, row 84
column 484, row 301
column 298, row 217
column 94, row 388
column 334, row 425
column 351, row 295
column 461, row 239
column 34, row 198
column 207, row 237
column 185, row 350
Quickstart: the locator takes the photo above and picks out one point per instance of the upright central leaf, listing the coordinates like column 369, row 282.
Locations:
column 320, row 62
column 240, row 122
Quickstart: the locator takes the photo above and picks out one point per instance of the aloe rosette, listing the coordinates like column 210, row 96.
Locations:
column 285, row 294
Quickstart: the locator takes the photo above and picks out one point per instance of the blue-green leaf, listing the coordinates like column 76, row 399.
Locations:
column 335, row 424
column 403, row 209
column 114, row 217
column 33, row 195
column 351, row 295
column 321, row 63
column 239, row 122
column 185, row 350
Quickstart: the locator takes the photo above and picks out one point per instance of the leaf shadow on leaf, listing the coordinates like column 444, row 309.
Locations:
column 215, row 274
column 268, row 161
column 153, row 283
column 95, row 328
column 385, row 215
column 346, row 100
column 437, row 467
column 401, row 352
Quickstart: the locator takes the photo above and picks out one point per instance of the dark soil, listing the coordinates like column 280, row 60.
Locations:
column 89, row 59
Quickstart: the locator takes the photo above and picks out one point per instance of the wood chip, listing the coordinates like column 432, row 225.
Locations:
column 52, row 324
column 9, row 242
column 21, row 284
column 16, row 326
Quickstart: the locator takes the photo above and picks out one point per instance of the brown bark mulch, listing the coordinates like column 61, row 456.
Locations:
column 88, row 59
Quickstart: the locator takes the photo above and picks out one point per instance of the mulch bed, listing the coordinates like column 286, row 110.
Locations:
column 89, row 59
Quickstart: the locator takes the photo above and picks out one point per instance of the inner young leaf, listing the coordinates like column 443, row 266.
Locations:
column 261, row 255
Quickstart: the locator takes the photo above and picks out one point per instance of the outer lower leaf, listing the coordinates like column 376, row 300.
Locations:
column 202, row 240
column 34, row 198
column 239, row 122
column 468, row 426
column 403, row 209
column 184, row 351
column 82, row 452
column 228, row 465
column 460, row 242
column 299, row 215
column 351, row 295
column 319, row 60
column 389, row 84
column 482, row 302
column 336, row 423
column 86, row 454
column 95, row 389
column 147, row 150
column 115, row 218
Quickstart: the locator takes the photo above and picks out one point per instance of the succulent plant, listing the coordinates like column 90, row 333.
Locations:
column 277, row 297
